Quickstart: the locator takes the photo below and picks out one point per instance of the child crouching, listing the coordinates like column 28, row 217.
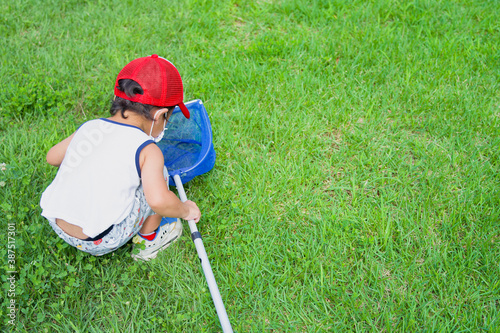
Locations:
column 112, row 184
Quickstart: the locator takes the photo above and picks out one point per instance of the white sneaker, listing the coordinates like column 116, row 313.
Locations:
column 165, row 235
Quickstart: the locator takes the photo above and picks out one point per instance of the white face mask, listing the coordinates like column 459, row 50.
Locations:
column 160, row 136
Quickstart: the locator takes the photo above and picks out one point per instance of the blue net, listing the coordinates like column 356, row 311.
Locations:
column 187, row 145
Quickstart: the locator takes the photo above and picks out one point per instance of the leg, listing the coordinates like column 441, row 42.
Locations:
column 151, row 224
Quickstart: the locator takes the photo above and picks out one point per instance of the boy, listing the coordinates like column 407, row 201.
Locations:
column 112, row 183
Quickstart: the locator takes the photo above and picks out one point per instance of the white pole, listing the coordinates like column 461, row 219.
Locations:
column 205, row 264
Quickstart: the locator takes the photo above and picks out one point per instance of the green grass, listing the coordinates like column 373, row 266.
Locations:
column 357, row 180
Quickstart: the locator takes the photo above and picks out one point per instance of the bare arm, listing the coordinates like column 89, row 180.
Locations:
column 163, row 201
column 56, row 154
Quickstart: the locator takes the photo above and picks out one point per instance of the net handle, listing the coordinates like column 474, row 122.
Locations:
column 205, row 264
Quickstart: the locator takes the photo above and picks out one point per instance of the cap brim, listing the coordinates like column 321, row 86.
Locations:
column 184, row 110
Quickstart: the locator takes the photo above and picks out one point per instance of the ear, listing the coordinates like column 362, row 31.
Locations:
column 159, row 113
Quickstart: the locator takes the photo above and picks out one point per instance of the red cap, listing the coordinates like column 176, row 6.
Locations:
column 160, row 80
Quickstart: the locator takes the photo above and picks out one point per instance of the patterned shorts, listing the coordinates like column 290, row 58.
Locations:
column 119, row 235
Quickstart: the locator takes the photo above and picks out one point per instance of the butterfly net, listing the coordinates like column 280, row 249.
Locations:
column 187, row 145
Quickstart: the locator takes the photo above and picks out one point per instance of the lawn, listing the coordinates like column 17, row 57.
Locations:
column 356, row 186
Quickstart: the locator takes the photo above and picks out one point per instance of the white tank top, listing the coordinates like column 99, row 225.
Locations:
column 96, row 182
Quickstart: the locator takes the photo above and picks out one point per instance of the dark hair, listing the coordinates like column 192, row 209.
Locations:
column 130, row 88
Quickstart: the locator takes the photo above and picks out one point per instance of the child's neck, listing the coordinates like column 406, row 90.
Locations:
column 133, row 119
